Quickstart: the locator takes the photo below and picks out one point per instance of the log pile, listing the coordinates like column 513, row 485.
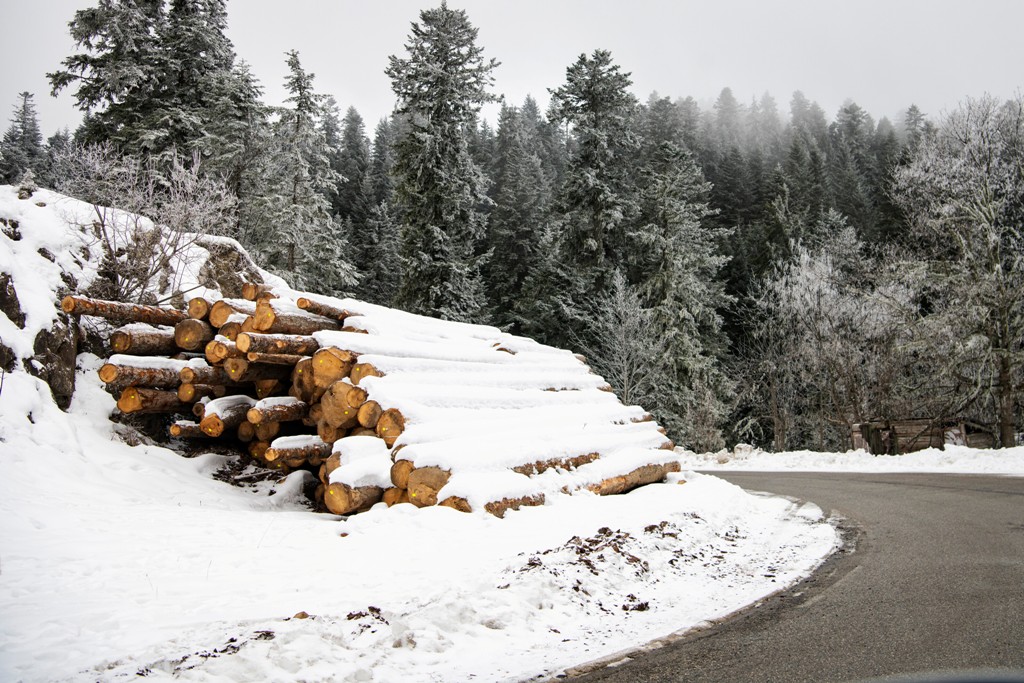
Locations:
column 380, row 404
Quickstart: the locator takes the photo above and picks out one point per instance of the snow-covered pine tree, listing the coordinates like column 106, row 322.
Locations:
column 307, row 244
column 22, row 147
column 521, row 208
column 440, row 85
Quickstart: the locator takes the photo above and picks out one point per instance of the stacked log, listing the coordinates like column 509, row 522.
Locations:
column 382, row 406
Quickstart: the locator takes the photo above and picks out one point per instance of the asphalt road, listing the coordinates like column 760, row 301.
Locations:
column 933, row 581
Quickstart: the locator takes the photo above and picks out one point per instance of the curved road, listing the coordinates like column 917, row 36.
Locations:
column 936, row 582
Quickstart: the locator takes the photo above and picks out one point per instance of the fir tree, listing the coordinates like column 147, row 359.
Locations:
column 22, row 146
column 441, row 86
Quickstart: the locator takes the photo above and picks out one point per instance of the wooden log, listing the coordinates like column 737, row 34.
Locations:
column 273, row 358
column 328, row 433
column 342, row 499
column 567, row 463
column 498, row 508
column 278, row 410
column 199, row 308
column 267, row 431
column 143, row 340
column 142, row 400
column 190, row 393
column 199, row 408
column 266, row 388
column 192, row 335
column 206, row 374
column 390, row 426
column 220, row 349
column 246, row 432
column 325, row 310
column 330, row 365
column 225, row 308
column 115, row 310
column 369, row 414
column 305, row 453
column 400, row 472
column 225, row 413
column 186, row 429
column 251, row 291
column 334, row 406
column 248, row 325
column 302, row 345
column 141, row 376
column 645, row 474
column 258, row 451
column 331, row 463
column 361, row 370
column 241, row 370
column 395, row 496
column 231, row 330
column 275, row 318
column 303, row 386
column 424, row 484
column 362, row 431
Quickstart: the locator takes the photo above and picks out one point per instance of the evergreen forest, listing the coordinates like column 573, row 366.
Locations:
column 755, row 271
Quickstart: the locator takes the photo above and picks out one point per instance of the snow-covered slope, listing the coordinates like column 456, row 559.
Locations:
column 123, row 560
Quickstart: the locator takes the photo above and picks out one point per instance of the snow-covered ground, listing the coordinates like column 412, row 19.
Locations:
column 118, row 560
column 953, row 459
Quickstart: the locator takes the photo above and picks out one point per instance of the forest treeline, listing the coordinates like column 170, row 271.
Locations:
column 749, row 271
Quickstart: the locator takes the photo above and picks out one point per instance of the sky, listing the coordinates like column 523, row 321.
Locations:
column 882, row 54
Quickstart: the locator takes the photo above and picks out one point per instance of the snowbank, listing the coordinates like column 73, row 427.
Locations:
column 954, row 459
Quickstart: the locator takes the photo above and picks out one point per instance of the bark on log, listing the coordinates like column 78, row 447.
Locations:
column 331, row 463
column 274, row 318
column 241, row 370
column 568, row 463
column 192, row 335
column 258, row 451
column 199, row 308
column 286, row 412
column 207, row 374
column 498, row 508
column 186, row 429
column 343, row 500
column 395, row 496
column 228, row 415
column 363, row 431
column 230, row 330
column 268, row 387
column 190, row 393
column 304, row 453
column 219, row 350
column 303, row 387
column 328, row 433
column 400, row 472
column 141, row 400
column 390, row 426
column 246, row 432
column 301, row 345
column 251, row 291
column 130, row 375
column 225, row 308
column 115, row 310
column 248, row 325
column 274, row 358
column 199, row 408
column 424, row 483
column 361, row 370
column 330, row 365
column 645, row 474
column 152, row 341
column 325, row 310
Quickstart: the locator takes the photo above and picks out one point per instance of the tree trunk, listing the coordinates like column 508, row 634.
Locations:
column 645, row 474
column 343, row 500
column 217, row 352
column 300, row 345
column 225, row 413
column 400, row 472
column 278, row 411
column 361, row 370
column 288, row 359
column 330, row 365
column 225, row 308
column 424, row 484
column 130, row 375
column 241, row 370
column 143, row 341
column 305, row 453
column 192, row 335
column 199, row 308
column 230, row 330
column 186, row 429
column 114, row 310
column 395, row 496
column 267, row 431
column 141, row 400
column 310, row 306
column 369, row 414
column 207, row 374
column 190, row 393
column 274, row 318
column 390, row 426
column 335, row 408
column 328, row 433
column 568, row 463
column 1007, row 399
column 253, row 291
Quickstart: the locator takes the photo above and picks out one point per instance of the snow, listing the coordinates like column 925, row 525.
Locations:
column 121, row 559
column 952, row 460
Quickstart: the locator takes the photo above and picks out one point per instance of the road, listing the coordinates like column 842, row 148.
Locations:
column 935, row 582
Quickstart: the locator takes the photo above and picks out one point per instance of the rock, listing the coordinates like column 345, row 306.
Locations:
column 228, row 267
column 56, row 351
column 9, row 304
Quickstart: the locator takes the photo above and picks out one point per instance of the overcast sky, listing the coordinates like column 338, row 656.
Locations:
column 885, row 55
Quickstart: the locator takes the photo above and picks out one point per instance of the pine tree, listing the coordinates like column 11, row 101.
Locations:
column 381, row 187
column 22, row 146
column 441, row 86
column 353, row 165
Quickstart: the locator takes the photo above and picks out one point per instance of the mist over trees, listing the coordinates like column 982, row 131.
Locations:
column 748, row 271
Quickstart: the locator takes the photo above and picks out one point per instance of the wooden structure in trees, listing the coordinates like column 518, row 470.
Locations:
column 380, row 404
column 896, row 437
